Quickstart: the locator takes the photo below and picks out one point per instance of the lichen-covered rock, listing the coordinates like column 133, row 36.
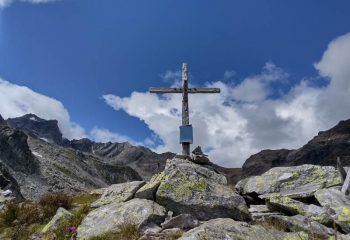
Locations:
column 148, row 191
column 300, row 223
column 182, row 221
column 60, row 216
column 295, row 182
column 228, row 229
column 294, row 207
column 118, row 193
column 338, row 204
column 194, row 189
column 260, row 212
column 111, row 217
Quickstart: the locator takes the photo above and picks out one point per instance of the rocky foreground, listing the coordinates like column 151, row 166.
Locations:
column 192, row 201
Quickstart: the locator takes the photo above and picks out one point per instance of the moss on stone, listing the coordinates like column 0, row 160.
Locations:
column 344, row 216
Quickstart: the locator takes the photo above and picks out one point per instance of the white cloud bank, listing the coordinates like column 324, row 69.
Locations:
column 245, row 118
column 17, row 101
column 5, row 3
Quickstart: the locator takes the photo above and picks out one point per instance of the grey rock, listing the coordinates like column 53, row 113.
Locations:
column 294, row 207
column 198, row 151
column 200, row 159
column 300, row 223
column 228, row 229
column 338, row 204
column 121, row 192
column 112, row 217
column 148, row 191
column 170, row 231
column 182, row 221
column 60, row 216
column 194, row 189
column 152, row 230
column 295, row 182
column 341, row 169
column 259, row 212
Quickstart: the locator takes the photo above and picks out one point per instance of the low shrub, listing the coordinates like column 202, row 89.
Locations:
column 52, row 201
column 24, row 213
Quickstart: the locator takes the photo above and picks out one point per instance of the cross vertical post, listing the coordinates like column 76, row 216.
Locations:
column 186, row 132
column 185, row 109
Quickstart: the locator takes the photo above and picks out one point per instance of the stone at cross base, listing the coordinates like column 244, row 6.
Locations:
column 199, row 157
column 344, row 173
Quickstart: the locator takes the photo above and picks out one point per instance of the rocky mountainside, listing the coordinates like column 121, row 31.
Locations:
column 190, row 201
column 321, row 150
column 141, row 159
column 30, row 167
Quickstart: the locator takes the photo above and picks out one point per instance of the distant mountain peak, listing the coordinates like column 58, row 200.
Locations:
column 31, row 124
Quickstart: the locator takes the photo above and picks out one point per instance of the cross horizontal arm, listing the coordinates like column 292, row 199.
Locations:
column 165, row 90
column 204, row 90
column 179, row 90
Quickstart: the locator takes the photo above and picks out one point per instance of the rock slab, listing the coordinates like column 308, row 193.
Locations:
column 295, row 182
column 118, row 193
column 112, row 217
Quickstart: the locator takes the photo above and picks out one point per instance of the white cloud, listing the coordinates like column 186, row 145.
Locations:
column 248, row 117
column 19, row 100
column 5, row 3
column 229, row 74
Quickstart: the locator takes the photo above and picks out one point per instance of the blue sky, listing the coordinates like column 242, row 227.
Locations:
column 77, row 51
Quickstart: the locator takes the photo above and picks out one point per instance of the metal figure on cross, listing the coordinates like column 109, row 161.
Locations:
column 186, row 131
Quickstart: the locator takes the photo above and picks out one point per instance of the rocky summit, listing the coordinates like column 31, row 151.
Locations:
column 120, row 191
column 191, row 201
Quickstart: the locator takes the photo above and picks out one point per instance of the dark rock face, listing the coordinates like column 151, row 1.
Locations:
column 321, row 150
column 2, row 121
column 33, row 125
column 15, row 152
column 261, row 162
column 7, row 182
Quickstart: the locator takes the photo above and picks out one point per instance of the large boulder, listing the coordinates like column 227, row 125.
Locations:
column 60, row 216
column 300, row 223
column 197, row 190
column 121, row 192
column 112, row 217
column 293, row 207
column 227, row 229
column 338, row 204
column 295, row 182
column 182, row 221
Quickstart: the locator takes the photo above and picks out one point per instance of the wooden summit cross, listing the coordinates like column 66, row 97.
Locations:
column 186, row 131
